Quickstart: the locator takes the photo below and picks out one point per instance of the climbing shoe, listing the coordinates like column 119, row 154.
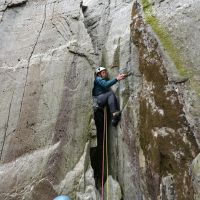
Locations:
column 116, row 118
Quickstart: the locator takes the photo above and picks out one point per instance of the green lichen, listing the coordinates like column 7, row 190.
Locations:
column 164, row 38
column 147, row 6
column 168, row 44
column 163, row 154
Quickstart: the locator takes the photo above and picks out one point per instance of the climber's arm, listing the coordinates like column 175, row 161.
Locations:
column 106, row 83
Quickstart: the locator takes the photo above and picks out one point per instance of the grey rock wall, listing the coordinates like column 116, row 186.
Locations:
column 46, row 57
column 48, row 52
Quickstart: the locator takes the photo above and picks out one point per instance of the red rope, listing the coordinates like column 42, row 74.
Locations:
column 102, row 174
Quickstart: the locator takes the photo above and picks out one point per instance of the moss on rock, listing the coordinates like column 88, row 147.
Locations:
column 165, row 135
column 168, row 44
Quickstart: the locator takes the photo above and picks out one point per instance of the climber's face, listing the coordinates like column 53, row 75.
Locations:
column 104, row 74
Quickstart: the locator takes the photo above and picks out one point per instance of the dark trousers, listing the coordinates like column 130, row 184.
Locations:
column 109, row 99
column 96, row 155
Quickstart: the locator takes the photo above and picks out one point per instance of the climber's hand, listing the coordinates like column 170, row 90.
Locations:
column 120, row 77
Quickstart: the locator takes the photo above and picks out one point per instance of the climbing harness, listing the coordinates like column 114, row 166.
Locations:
column 105, row 142
column 95, row 104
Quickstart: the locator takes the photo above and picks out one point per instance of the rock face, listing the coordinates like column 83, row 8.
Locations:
column 196, row 176
column 48, row 53
column 168, row 125
column 114, row 190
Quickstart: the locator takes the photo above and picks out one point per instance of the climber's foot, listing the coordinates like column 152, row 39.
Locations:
column 116, row 118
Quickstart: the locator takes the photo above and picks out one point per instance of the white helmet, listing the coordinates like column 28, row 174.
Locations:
column 99, row 69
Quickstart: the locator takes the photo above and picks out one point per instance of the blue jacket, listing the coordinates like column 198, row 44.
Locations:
column 102, row 85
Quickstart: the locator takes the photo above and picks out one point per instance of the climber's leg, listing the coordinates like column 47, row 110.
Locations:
column 112, row 102
column 109, row 99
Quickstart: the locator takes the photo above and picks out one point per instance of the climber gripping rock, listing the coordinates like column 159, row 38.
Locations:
column 103, row 94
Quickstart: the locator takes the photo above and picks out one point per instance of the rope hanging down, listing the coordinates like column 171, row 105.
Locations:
column 105, row 140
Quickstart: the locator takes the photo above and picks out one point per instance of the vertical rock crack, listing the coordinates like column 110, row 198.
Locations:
column 32, row 52
column 6, row 126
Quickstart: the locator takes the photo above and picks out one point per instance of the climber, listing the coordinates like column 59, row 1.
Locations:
column 104, row 95
column 62, row 197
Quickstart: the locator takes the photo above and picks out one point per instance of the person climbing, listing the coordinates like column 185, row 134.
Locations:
column 104, row 95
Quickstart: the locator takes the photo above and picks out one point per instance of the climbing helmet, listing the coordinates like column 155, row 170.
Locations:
column 99, row 69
